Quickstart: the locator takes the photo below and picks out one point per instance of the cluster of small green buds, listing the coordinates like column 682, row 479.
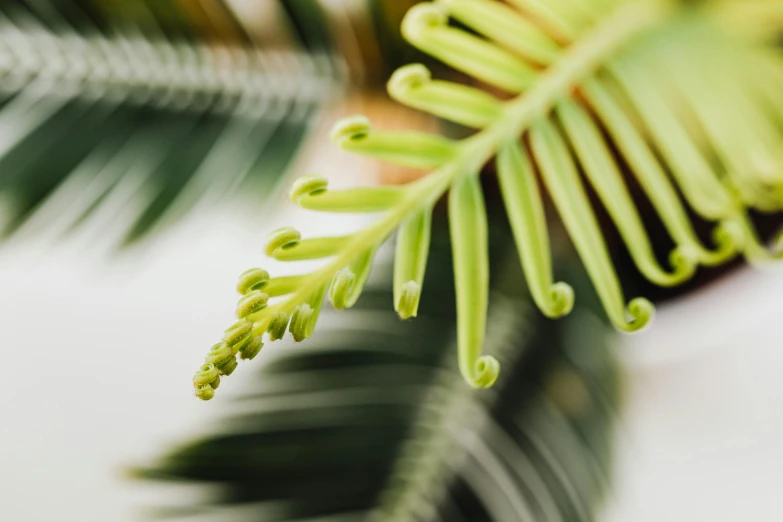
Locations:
column 206, row 380
column 239, row 340
column 303, row 295
column 222, row 357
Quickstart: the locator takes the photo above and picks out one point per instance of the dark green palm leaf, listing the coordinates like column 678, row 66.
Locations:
column 370, row 420
column 147, row 106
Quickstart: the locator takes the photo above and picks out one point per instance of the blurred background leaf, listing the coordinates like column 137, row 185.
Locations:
column 133, row 113
column 370, row 420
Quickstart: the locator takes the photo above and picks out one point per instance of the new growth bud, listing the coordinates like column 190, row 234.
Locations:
column 352, row 128
column 253, row 279
column 408, row 305
column 300, row 320
column 277, row 326
column 282, row 238
column 205, row 392
column 205, row 375
column 422, row 17
column 251, row 349
column 219, row 354
column 251, row 303
column 408, row 77
column 228, row 366
column 238, row 334
column 308, row 186
column 341, row 288
column 487, row 371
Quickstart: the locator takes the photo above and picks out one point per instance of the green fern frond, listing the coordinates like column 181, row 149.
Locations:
column 600, row 87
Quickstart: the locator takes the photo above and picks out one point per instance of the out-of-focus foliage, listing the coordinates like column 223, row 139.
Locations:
column 371, row 420
column 763, row 18
column 139, row 111
column 154, row 107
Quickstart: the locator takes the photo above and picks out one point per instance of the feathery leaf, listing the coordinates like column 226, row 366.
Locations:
column 684, row 102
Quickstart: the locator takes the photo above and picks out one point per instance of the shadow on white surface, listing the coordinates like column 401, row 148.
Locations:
column 99, row 360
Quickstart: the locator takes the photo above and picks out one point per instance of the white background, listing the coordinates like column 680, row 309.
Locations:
column 97, row 359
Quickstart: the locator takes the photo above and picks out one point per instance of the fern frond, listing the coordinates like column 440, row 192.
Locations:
column 173, row 75
column 687, row 107
column 94, row 109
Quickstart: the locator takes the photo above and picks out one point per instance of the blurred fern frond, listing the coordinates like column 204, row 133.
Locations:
column 372, row 421
column 144, row 110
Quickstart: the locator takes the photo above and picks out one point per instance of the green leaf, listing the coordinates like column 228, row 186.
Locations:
column 410, row 262
column 127, row 115
column 470, row 253
column 525, row 209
